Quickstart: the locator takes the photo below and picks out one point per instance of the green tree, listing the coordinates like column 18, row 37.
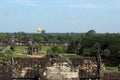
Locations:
column 43, row 31
column 106, row 53
column 5, row 58
column 91, row 32
column 74, row 47
column 97, row 48
column 57, row 49
column 12, row 46
column 71, row 47
column 86, row 52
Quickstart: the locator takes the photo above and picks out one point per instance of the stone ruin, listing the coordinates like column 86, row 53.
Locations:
column 33, row 48
column 54, row 68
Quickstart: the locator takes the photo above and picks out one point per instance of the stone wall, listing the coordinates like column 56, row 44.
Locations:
column 54, row 68
column 48, row 69
column 5, row 73
column 111, row 76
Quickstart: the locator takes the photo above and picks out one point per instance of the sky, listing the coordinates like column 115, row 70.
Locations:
column 60, row 16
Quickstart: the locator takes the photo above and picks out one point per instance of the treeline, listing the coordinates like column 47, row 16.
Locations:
column 91, row 44
column 38, row 37
column 85, row 44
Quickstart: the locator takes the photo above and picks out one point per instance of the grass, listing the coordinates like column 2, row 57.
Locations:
column 110, row 68
column 45, row 48
column 66, row 55
column 20, row 52
column 20, row 49
column 20, row 56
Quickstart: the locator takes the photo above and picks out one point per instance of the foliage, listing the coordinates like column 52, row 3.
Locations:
column 91, row 33
column 44, row 49
column 106, row 53
column 5, row 58
column 20, row 49
column 73, row 46
column 55, row 49
column 109, row 42
column 20, row 56
column 43, row 31
column 111, row 68
column 71, row 56
column 86, row 52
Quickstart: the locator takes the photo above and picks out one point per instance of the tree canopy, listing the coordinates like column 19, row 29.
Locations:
column 80, row 43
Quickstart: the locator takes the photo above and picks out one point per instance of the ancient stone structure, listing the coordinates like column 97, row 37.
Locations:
column 9, row 45
column 54, row 69
column 19, row 43
column 33, row 48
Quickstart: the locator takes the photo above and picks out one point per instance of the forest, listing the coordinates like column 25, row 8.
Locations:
column 84, row 44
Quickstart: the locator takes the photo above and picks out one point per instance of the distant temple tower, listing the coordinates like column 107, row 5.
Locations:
column 32, row 47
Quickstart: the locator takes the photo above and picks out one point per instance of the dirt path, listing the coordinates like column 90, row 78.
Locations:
column 36, row 56
column 33, row 56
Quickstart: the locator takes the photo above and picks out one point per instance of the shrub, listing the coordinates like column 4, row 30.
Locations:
column 57, row 49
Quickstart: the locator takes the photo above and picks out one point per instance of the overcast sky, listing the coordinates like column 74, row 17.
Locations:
column 60, row 15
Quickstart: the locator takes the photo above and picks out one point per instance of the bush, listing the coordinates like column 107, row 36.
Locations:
column 57, row 49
